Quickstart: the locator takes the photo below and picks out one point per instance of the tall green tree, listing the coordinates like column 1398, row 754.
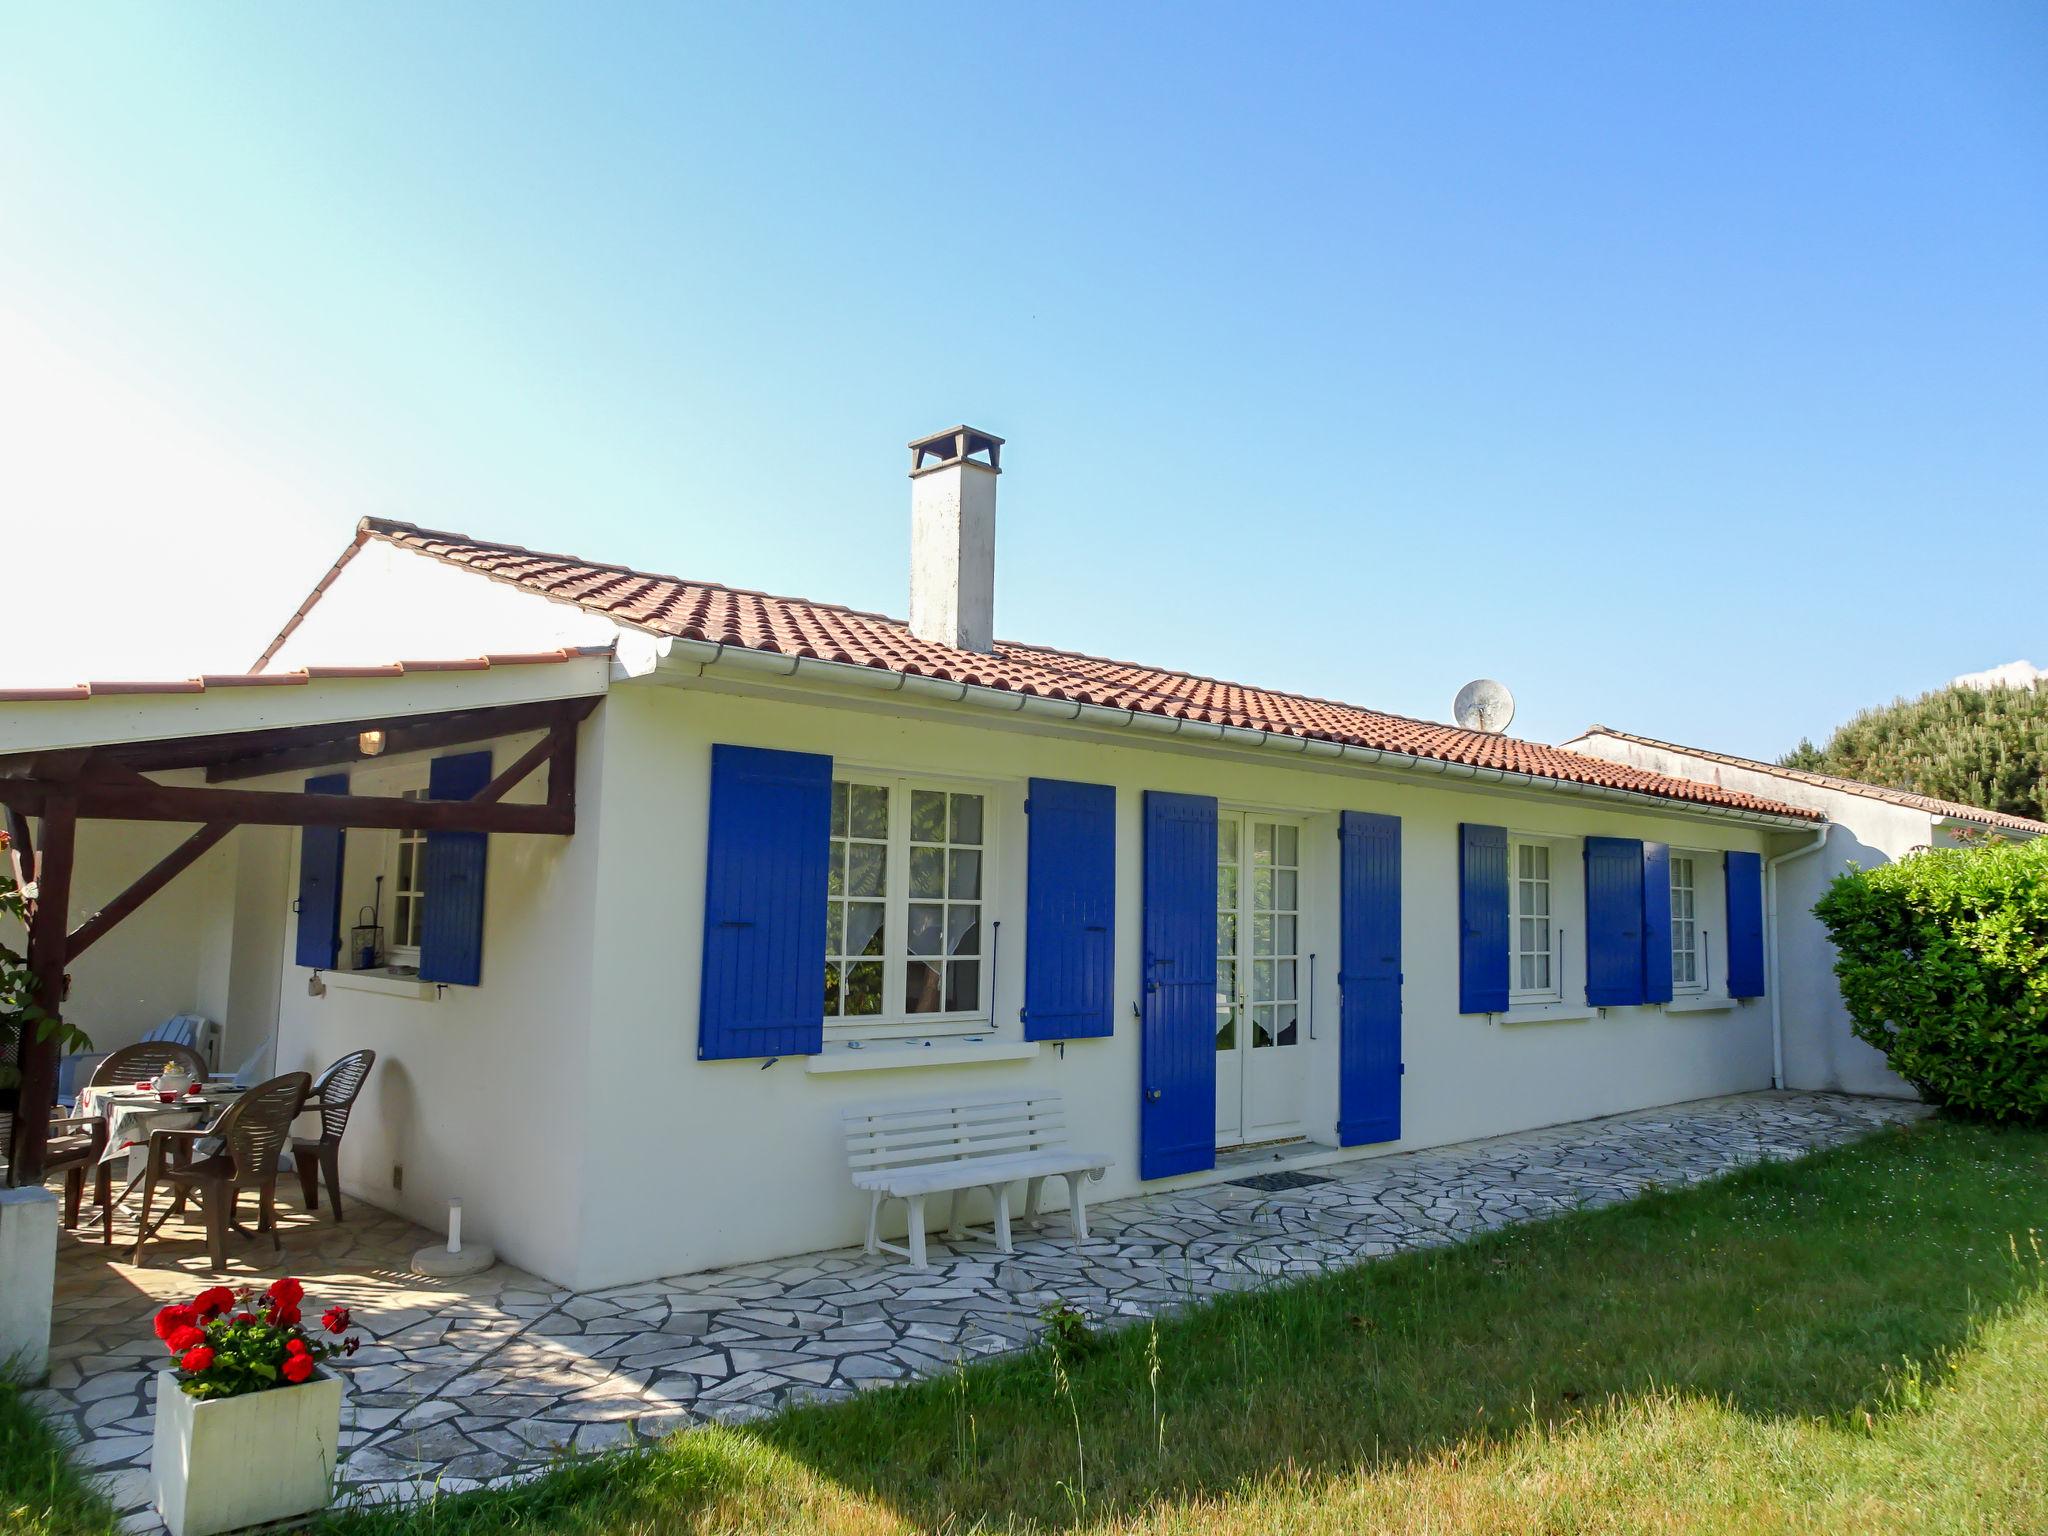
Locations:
column 1985, row 747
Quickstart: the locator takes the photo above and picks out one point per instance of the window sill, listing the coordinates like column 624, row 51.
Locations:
column 910, row 1055
column 1548, row 1013
column 1702, row 1004
column 383, row 984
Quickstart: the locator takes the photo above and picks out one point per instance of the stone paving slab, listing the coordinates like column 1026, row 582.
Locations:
column 485, row 1380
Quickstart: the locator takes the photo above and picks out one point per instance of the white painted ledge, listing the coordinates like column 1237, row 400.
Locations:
column 407, row 987
column 901, row 1057
column 1553, row 1013
column 1702, row 1005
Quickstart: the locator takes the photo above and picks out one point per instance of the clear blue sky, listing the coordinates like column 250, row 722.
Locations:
column 1684, row 366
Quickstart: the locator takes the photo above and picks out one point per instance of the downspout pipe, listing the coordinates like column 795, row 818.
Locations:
column 1771, row 929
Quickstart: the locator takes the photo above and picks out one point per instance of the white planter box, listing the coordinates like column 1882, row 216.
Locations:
column 225, row 1463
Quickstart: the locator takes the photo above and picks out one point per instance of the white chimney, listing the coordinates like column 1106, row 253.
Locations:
column 953, row 538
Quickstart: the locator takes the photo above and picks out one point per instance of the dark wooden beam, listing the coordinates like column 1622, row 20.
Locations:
column 287, row 808
column 505, row 782
column 166, row 869
column 562, row 770
column 47, row 943
column 334, row 745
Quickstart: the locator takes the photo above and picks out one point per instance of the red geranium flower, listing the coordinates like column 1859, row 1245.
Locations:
column 185, row 1338
column 335, row 1320
column 297, row 1368
column 283, row 1317
column 171, row 1319
column 287, row 1292
column 196, row 1360
column 214, row 1302
column 297, row 1347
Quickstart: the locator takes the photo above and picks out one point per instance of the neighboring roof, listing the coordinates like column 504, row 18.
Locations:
column 707, row 612
column 1953, row 809
column 200, row 684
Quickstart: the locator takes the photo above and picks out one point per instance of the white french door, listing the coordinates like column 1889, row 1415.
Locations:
column 1261, row 1075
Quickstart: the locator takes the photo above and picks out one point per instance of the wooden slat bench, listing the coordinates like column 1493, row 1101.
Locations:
column 909, row 1150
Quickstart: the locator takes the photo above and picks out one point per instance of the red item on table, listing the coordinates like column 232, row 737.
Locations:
column 143, row 1087
column 166, row 1096
column 195, row 1090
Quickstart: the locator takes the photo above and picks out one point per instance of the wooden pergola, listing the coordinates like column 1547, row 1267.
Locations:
column 59, row 788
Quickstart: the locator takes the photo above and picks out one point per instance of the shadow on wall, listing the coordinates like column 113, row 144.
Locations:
column 1821, row 1048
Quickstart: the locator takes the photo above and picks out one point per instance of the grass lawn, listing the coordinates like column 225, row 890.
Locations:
column 1854, row 1342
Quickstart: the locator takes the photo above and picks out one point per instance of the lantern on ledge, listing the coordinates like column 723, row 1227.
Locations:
column 366, row 940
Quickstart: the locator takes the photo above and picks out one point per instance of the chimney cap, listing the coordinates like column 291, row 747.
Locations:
column 956, row 445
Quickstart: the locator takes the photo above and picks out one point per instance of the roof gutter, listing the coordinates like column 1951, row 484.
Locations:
column 708, row 654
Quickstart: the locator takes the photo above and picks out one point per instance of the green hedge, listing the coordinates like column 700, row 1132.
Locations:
column 1943, row 959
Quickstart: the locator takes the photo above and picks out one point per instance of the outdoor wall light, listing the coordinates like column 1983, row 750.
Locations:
column 370, row 743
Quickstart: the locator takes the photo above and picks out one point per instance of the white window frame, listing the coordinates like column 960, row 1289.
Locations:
column 404, row 956
column 1518, row 995
column 1696, row 860
column 895, row 1022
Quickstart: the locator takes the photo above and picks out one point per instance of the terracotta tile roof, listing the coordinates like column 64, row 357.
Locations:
column 703, row 611
column 210, row 680
column 1954, row 809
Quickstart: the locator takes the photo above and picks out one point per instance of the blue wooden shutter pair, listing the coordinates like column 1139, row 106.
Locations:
column 1369, row 979
column 1177, row 1034
column 320, row 859
column 452, row 879
column 1482, row 918
column 762, row 987
column 1614, row 921
column 1070, row 911
column 1745, row 888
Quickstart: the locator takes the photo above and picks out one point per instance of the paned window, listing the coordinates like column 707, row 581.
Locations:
column 1688, row 961
column 1532, row 936
column 906, row 887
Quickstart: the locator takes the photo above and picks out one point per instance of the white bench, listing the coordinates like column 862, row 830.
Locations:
column 907, row 1151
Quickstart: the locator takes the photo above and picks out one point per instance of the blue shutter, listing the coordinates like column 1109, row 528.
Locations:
column 1482, row 918
column 1614, row 922
column 762, row 990
column 1369, row 980
column 452, row 879
column 1745, row 884
column 1177, row 1045
column 1656, row 922
column 320, row 859
column 1070, row 911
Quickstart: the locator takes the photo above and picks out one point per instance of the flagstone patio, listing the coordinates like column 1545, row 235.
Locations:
column 489, row 1378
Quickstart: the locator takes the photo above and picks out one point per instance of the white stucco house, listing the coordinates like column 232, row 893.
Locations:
column 1867, row 825
column 822, row 858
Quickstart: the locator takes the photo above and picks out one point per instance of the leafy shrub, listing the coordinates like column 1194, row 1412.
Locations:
column 1982, row 746
column 1943, row 959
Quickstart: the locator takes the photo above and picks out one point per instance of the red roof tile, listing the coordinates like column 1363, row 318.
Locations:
column 1953, row 809
column 703, row 611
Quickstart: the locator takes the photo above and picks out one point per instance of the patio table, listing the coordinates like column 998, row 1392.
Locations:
column 132, row 1113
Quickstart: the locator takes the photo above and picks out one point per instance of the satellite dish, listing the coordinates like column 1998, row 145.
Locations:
column 1484, row 705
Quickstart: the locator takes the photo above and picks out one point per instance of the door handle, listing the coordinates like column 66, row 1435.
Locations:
column 1152, row 1095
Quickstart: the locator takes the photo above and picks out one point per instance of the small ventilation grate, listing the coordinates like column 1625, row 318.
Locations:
column 1273, row 1183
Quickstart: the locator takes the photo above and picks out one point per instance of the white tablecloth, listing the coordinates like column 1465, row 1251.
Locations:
column 131, row 1114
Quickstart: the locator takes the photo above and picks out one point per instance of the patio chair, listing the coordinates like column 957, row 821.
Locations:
column 252, row 1136
column 334, row 1095
column 127, row 1064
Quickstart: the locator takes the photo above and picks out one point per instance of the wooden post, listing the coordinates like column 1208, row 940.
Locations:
column 47, row 946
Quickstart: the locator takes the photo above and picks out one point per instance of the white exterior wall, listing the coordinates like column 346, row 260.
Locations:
column 480, row 1092
column 1821, row 1052
column 185, row 950
column 390, row 604
column 695, row 1164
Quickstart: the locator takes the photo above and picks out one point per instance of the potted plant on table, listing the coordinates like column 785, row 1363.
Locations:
column 247, row 1422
